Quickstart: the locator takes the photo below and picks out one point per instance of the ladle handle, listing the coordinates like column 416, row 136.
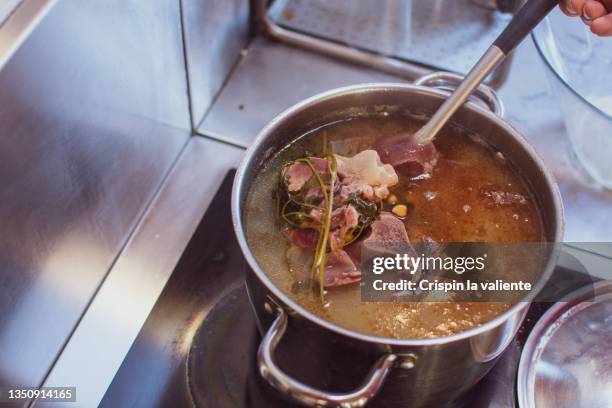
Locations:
column 523, row 22
column 448, row 82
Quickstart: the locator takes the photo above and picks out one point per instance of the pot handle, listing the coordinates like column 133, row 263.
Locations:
column 448, row 81
column 308, row 395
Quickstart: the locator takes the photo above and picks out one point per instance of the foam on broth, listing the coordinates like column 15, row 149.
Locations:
column 447, row 207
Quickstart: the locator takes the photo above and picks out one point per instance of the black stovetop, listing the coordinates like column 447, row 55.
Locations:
column 197, row 346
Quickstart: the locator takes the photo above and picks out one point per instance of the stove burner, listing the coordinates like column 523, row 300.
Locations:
column 221, row 351
column 221, row 368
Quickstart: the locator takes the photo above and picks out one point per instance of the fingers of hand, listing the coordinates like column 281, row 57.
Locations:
column 573, row 7
column 565, row 10
column 595, row 13
column 592, row 10
column 602, row 26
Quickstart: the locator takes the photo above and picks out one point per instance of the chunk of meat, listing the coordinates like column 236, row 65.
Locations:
column 314, row 195
column 302, row 237
column 409, row 158
column 495, row 196
column 361, row 189
column 316, row 215
column 340, row 270
column 354, row 251
column 388, row 229
column 389, row 238
column 413, row 169
column 366, row 167
column 342, row 220
column 363, row 174
column 298, row 174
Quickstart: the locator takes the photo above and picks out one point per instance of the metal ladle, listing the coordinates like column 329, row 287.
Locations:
column 521, row 25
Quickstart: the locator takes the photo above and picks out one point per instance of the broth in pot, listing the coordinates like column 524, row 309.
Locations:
column 342, row 184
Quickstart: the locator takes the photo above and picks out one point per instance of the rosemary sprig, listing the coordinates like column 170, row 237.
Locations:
column 292, row 211
column 296, row 210
column 319, row 261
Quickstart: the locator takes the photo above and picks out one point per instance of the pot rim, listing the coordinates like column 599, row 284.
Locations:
column 371, row 87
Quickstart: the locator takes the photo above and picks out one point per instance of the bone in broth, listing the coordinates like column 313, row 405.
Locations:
column 456, row 190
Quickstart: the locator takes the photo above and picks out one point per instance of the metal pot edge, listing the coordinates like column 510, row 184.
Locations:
column 280, row 295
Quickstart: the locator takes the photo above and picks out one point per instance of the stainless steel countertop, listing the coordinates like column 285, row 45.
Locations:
column 106, row 332
column 270, row 78
column 90, row 125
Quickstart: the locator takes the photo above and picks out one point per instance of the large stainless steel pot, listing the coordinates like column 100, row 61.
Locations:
column 320, row 364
